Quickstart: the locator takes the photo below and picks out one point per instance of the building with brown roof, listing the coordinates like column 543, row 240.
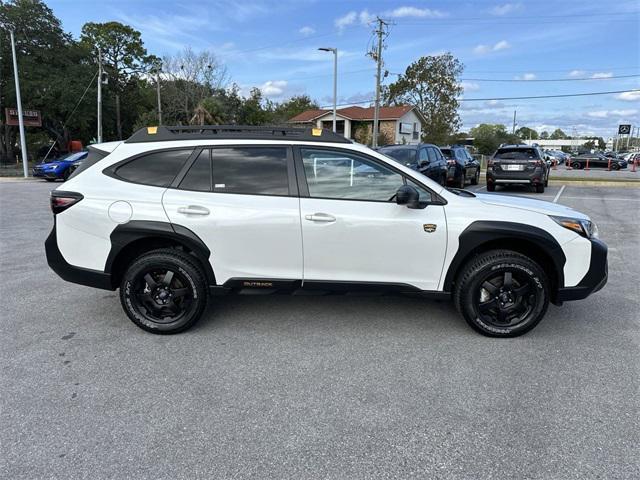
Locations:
column 401, row 124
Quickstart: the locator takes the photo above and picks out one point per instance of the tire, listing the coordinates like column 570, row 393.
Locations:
column 65, row 175
column 501, row 293
column 460, row 183
column 50, row 179
column 546, row 181
column 540, row 188
column 576, row 166
column 160, row 305
column 476, row 179
column 615, row 166
column 491, row 187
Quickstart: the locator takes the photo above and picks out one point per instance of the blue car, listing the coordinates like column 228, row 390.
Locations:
column 58, row 168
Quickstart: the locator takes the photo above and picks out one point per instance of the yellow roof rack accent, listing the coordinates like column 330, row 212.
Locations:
column 152, row 130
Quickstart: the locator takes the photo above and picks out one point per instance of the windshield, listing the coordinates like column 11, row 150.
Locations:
column 405, row 156
column 516, row 154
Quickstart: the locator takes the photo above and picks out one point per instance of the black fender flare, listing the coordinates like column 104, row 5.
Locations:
column 135, row 230
column 484, row 232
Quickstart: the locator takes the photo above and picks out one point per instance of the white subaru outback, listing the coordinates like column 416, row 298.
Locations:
column 175, row 215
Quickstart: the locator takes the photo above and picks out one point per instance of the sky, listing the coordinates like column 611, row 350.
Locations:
column 508, row 50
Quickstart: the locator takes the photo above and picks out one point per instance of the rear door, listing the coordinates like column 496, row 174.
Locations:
column 353, row 230
column 242, row 202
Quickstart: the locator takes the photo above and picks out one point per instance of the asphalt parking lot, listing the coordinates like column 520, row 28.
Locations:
column 316, row 387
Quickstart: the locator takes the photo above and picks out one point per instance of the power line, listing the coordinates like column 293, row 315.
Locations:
column 613, row 77
column 531, row 97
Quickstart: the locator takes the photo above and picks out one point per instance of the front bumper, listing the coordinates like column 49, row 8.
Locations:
column 594, row 280
column 71, row 273
column 44, row 173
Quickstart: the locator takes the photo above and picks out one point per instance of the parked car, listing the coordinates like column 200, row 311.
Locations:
column 425, row 158
column 597, row 160
column 176, row 215
column 462, row 167
column 58, row 169
column 518, row 165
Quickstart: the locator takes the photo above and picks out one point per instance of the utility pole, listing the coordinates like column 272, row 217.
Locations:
column 23, row 141
column 513, row 130
column 158, row 92
column 99, row 96
column 378, row 58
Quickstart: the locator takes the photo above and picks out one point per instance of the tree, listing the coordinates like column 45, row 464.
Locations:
column 558, row 135
column 54, row 73
column 292, row 107
column 488, row 137
column 431, row 85
column 123, row 55
column 526, row 133
column 544, row 135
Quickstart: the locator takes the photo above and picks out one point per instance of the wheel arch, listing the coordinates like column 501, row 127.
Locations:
column 134, row 238
column 528, row 240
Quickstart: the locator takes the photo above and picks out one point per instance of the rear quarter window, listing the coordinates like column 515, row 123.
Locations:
column 156, row 169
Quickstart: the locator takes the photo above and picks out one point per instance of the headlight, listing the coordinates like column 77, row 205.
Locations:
column 586, row 228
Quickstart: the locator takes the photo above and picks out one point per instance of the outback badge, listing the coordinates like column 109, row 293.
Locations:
column 430, row 227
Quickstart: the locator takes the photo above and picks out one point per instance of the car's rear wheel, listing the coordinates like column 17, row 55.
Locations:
column 460, row 182
column 576, row 166
column 164, row 291
column 65, row 175
column 476, row 179
column 50, row 179
column 540, row 188
column 615, row 166
column 502, row 293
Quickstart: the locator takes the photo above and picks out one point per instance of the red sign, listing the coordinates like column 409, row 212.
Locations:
column 31, row 118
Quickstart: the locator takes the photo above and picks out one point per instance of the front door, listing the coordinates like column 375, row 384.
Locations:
column 352, row 229
column 240, row 201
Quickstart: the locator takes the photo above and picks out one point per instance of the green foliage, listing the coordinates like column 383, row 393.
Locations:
column 527, row 133
column 544, row 135
column 431, row 84
column 488, row 137
column 557, row 135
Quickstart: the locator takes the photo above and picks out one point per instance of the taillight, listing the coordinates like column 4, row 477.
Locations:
column 490, row 162
column 60, row 201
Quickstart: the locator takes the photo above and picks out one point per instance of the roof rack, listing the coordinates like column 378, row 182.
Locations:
column 234, row 132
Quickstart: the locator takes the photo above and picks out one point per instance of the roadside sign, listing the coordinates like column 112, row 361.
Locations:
column 624, row 129
column 31, row 118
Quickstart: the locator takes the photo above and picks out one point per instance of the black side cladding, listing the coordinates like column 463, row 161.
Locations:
column 483, row 232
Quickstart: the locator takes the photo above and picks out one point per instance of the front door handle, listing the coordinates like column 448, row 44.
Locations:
column 193, row 210
column 320, row 217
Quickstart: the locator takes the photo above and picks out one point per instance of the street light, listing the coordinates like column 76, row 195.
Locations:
column 335, row 81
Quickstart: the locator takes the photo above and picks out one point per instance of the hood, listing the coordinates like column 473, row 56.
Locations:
column 53, row 163
column 539, row 206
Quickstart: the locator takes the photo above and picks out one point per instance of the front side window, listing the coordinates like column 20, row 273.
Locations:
column 424, row 157
column 433, row 157
column 157, row 169
column 250, row 170
column 338, row 175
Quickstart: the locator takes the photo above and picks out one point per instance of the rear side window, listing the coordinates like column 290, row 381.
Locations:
column 250, row 170
column 198, row 177
column 94, row 157
column 447, row 152
column 517, row 154
column 156, row 169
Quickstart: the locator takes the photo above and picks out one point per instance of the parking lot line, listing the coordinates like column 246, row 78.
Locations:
column 555, row 200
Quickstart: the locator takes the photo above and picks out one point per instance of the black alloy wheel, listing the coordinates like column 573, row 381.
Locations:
column 502, row 293
column 164, row 291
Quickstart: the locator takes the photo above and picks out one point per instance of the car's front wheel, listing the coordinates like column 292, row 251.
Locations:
column 502, row 293
column 576, row 166
column 164, row 291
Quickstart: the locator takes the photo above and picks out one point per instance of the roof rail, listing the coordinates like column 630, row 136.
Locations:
column 234, row 132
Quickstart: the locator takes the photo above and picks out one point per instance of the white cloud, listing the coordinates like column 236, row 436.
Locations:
column 402, row 12
column 630, row 96
column 364, row 17
column 602, row 75
column 273, row 88
column 470, row 86
column 505, row 8
column 612, row 113
column 526, row 76
column 577, row 73
column 484, row 49
column 306, row 30
column 344, row 21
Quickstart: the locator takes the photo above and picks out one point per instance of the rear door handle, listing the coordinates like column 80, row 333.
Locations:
column 320, row 217
column 193, row 210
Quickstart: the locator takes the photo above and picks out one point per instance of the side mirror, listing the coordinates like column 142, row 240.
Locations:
column 409, row 196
